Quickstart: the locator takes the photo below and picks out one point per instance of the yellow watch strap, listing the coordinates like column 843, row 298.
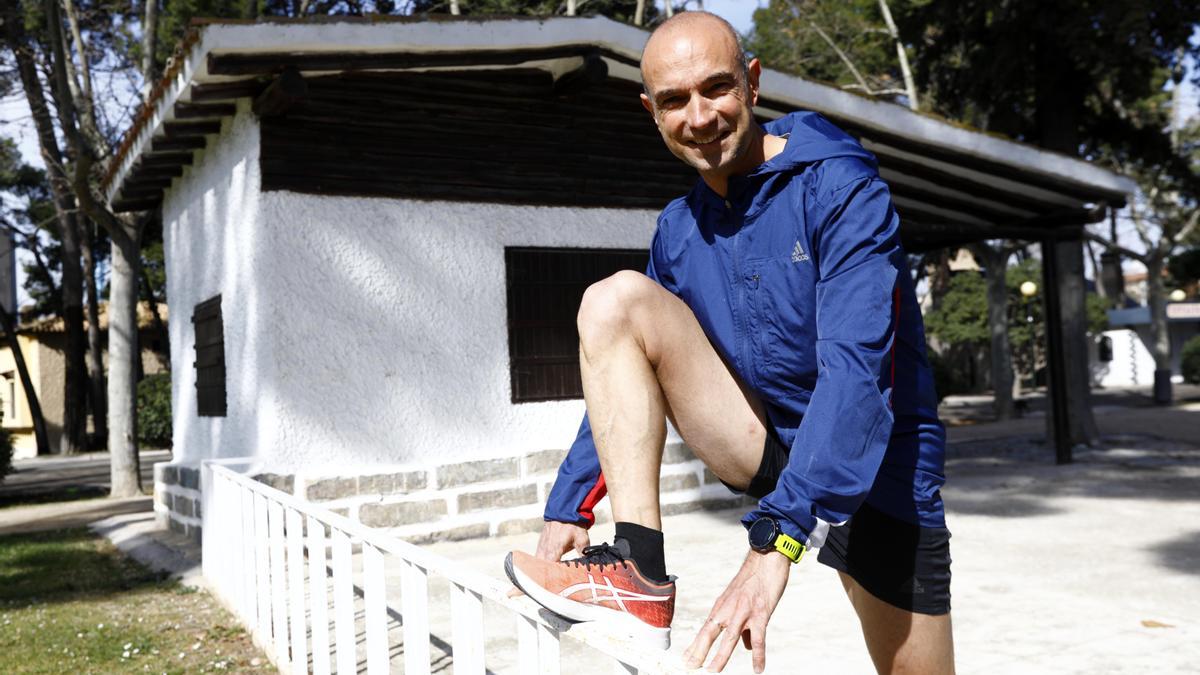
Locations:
column 791, row 548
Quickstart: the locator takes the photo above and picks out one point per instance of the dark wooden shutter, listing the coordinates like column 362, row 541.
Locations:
column 210, row 358
column 544, row 289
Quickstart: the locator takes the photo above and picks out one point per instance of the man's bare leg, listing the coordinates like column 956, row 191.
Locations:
column 644, row 357
column 900, row 641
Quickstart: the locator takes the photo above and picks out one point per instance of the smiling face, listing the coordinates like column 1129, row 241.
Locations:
column 701, row 96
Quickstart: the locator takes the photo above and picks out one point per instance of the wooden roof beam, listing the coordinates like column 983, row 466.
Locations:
column 226, row 91
column 190, row 111
column 180, row 143
column 184, row 129
column 265, row 63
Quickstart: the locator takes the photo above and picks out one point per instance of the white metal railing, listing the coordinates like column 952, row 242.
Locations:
column 264, row 556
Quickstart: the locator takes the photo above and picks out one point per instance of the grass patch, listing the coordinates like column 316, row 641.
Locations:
column 70, row 602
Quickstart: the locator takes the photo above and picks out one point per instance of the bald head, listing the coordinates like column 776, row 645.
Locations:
column 682, row 30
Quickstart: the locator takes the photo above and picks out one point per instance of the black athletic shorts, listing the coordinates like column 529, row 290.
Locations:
column 905, row 565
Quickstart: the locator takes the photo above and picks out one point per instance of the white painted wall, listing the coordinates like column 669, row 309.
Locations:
column 358, row 331
column 213, row 241
column 389, row 326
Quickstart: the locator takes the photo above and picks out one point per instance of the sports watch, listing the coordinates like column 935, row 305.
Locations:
column 766, row 536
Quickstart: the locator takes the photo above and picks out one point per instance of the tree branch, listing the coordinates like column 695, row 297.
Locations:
column 1115, row 247
column 902, row 55
column 842, row 55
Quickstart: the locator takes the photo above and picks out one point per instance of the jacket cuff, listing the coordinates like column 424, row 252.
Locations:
column 811, row 533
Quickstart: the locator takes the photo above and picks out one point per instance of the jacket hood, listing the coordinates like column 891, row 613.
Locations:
column 810, row 138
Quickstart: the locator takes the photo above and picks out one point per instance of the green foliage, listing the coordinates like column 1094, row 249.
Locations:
column 1078, row 77
column 176, row 15
column 788, row 36
column 962, row 315
column 1191, row 360
column 154, row 410
column 946, row 381
column 1184, row 267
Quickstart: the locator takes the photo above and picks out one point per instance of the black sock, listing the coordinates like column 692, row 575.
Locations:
column 645, row 547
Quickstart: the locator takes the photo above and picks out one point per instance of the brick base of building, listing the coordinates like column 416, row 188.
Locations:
column 439, row 502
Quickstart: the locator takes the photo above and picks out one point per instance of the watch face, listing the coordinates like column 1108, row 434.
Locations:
column 762, row 533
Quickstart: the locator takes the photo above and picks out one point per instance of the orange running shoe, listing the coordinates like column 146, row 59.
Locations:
column 602, row 586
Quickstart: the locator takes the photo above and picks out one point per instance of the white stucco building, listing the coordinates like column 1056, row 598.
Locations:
column 380, row 230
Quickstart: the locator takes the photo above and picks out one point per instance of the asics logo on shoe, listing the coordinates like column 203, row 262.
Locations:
column 617, row 595
column 798, row 254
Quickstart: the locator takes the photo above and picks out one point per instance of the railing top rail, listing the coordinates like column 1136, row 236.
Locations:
column 487, row 587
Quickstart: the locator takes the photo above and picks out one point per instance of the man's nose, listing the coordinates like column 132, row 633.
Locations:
column 700, row 112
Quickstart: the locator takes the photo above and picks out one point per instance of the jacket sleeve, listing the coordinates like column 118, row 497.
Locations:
column 845, row 431
column 580, row 483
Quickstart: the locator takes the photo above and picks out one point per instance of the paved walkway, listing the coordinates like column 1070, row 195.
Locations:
column 1092, row 567
column 73, row 490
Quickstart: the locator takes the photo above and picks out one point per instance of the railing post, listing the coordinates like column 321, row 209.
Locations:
column 318, row 597
column 279, row 616
column 549, row 659
column 466, row 612
column 262, row 570
column 375, row 608
column 414, row 607
column 295, row 558
column 345, row 633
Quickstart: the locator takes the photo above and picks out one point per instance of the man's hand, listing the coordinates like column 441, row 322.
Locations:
column 558, row 538
column 742, row 611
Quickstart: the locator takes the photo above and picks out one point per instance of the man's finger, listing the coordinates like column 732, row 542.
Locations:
column 725, row 650
column 697, row 652
column 756, row 641
column 515, row 592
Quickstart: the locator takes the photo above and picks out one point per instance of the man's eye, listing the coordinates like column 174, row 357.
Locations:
column 672, row 102
column 720, row 88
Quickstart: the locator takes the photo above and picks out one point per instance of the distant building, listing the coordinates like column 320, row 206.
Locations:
column 1131, row 362
column 42, row 344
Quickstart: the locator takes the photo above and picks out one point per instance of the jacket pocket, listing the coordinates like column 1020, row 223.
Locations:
column 784, row 330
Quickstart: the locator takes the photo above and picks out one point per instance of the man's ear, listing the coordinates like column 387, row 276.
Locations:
column 647, row 104
column 753, row 73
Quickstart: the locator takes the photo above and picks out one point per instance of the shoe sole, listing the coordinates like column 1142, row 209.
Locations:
column 620, row 622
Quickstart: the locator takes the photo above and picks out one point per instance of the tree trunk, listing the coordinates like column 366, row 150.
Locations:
column 149, row 46
column 639, row 14
column 96, row 391
column 1160, row 337
column 74, row 404
column 31, row 397
column 122, row 356
column 996, row 263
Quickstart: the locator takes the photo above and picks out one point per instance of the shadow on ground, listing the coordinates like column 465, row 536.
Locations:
column 1182, row 554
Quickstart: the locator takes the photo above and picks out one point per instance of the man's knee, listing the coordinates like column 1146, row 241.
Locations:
column 609, row 306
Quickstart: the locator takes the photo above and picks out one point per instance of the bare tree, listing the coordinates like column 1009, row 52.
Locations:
column 75, row 401
column 995, row 263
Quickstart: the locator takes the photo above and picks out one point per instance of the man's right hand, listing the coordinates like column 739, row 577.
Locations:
column 558, row 538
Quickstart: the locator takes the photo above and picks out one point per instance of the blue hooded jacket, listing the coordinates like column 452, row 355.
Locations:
column 798, row 279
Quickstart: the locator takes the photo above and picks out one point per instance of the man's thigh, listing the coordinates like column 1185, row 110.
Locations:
column 900, row 641
column 716, row 414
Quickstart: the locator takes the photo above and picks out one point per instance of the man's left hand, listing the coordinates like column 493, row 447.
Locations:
column 742, row 611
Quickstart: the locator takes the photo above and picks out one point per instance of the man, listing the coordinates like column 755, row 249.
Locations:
column 777, row 328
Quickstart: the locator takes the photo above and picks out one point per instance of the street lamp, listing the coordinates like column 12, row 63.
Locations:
column 1178, row 295
column 1028, row 290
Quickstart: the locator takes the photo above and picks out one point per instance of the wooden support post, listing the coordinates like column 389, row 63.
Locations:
column 288, row 90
